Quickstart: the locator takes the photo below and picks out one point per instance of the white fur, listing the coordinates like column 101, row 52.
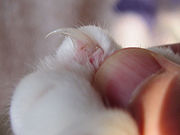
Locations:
column 109, row 122
column 58, row 98
column 167, row 52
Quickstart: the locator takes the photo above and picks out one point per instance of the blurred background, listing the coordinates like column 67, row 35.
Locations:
column 25, row 23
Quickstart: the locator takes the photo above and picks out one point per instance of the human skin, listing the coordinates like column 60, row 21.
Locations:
column 153, row 64
column 147, row 85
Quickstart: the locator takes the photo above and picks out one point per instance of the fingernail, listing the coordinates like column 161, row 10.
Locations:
column 120, row 74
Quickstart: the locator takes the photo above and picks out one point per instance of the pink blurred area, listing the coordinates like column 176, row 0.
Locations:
column 25, row 23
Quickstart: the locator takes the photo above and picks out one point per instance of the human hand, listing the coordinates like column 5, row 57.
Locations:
column 145, row 83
